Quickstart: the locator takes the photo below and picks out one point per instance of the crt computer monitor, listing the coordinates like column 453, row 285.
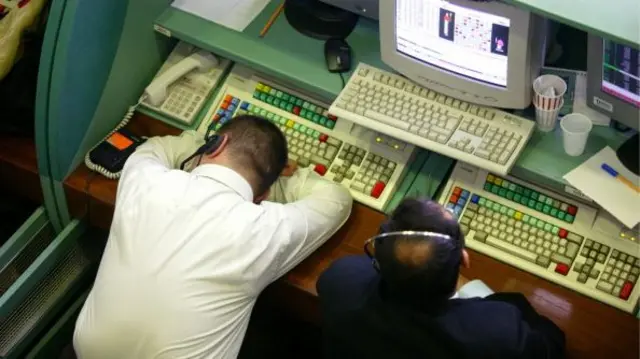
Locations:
column 613, row 88
column 486, row 53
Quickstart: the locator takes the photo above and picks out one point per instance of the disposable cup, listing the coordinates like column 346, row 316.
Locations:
column 575, row 132
column 548, row 91
column 546, row 119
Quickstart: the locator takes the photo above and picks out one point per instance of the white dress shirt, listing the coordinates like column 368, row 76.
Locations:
column 189, row 253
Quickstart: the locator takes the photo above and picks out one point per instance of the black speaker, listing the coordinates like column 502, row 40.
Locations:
column 319, row 20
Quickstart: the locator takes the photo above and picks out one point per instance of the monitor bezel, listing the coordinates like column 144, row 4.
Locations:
column 621, row 111
column 524, row 62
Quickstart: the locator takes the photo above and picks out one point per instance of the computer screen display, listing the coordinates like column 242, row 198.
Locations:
column 621, row 72
column 464, row 41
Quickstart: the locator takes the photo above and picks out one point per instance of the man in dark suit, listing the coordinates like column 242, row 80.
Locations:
column 401, row 306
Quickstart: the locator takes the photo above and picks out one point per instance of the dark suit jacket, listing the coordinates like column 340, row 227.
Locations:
column 361, row 321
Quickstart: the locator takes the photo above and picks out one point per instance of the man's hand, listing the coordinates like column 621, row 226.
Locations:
column 289, row 169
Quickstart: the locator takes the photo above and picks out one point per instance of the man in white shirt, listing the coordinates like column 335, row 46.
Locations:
column 189, row 253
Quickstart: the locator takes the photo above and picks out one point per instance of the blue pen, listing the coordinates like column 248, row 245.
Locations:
column 610, row 170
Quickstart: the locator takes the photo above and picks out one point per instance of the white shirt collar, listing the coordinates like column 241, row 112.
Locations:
column 226, row 176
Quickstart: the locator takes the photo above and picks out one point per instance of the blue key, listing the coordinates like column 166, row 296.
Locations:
column 461, row 202
column 235, row 101
column 220, row 112
column 231, row 108
column 464, row 194
column 475, row 198
column 228, row 114
column 244, row 106
column 457, row 210
column 450, row 206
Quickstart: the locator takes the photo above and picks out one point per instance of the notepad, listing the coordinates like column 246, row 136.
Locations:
column 234, row 14
column 474, row 289
column 612, row 195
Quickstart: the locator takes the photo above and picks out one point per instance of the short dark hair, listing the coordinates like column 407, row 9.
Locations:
column 414, row 267
column 259, row 146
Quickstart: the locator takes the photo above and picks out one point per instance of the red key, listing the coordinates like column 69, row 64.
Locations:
column 625, row 292
column 562, row 233
column 562, row 268
column 453, row 199
column 323, row 138
column 296, row 110
column 228, row 98
column 321, row 169
column 572, row 210
column 216, row 118
column 224, row 105
column 377, row 189
column 332, row 117
column 457, row 191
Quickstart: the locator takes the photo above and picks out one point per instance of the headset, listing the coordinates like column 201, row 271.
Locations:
column 212, row 143
column 371, row 242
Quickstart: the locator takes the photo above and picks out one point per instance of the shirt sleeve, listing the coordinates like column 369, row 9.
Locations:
column 310, row 209
column 160, row 154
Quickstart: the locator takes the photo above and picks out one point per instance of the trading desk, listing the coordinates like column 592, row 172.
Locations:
column 593, row 330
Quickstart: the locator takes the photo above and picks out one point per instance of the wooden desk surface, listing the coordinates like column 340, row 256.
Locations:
column 593, row 330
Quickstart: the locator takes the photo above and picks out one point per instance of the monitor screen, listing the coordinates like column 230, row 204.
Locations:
column 621, row 72
column 464, row 41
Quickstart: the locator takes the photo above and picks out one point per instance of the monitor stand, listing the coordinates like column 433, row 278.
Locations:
column 628, row 154
column 319, row 20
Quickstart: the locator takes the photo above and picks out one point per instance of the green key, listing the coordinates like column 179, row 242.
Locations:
column 549, row 202
column 256, row 94
column 303, row 113
column 555, row 230
column 263, row 113
column 279, row 94
column 505, row 183
column 299, row 102
column 270, row 99
column 526, row 218
column 283, row 105
column 553, row 212
column 323, row 121
column 273, row 92
column 487, row 186
column 316, row 134
column 263, row 97
column 270, row 116
column 303, row 128
column 296, row 126
column 305, row 105
column 546, row 209
column 496, row 206
column 523, row 200
column 512, row 187
column 282, row 120
column 249, row 106
column 561, row 215
column 330, row 124
column 539, row 206
column 510, row 195
column 482, row 201
column 540, row 224
column 489, row 203
column 502, row 192
column 533, row 221
column 556, row 204
column 256, row 109
column 316, row 118
column 289, row 107
column 519, row 189
column 495, row 189
column 504, row 209
column 531, row 203
column 312, row 107
column 534, row 195
column 547, row 227
column 276, row 102
column 527, row 192
column 517, row 197
column 569, row 218
column 511, row 212
column 285, row 96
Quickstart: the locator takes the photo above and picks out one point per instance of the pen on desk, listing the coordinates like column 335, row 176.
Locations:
column 272, row 19
column 620, row 177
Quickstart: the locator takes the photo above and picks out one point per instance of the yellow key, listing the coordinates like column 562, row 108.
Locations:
column 290, row 123
column 259, row 86
column 490, row 178
column 498, row 181
column 517, row 215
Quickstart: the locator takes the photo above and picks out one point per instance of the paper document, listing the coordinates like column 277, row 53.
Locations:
column 612, row 195
column 475, row 288
column 234, row 14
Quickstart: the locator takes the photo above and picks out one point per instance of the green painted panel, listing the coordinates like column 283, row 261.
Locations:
column 283, row 53
column 618, row 20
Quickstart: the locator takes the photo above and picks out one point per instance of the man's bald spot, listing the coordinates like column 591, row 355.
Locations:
column 413, row 253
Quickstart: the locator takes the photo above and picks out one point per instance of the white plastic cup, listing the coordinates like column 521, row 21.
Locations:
column 548, row 91
column 575, row 132
column 546, row 119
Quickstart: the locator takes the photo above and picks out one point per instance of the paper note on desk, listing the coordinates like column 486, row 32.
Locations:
column 234, row 14
column 612, row 195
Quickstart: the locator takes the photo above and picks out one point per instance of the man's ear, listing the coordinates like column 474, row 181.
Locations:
column 261, row 197
column 465, row 259
column 223, row 141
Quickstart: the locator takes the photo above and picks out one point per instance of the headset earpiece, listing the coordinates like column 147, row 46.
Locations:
column 212, row 144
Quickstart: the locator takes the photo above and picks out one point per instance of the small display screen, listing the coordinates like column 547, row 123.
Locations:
column 460, row 40
column 119, row 141
column 621, row 72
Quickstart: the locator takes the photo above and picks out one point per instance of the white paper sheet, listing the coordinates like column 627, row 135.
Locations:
column 473, row 289
column 234, row 14
column 611, row 194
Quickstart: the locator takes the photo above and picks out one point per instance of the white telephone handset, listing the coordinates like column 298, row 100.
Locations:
column 201, row 61
column 178, row 91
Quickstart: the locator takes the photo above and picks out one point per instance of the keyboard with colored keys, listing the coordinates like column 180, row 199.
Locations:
column 541, row 232
column 370, row 165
